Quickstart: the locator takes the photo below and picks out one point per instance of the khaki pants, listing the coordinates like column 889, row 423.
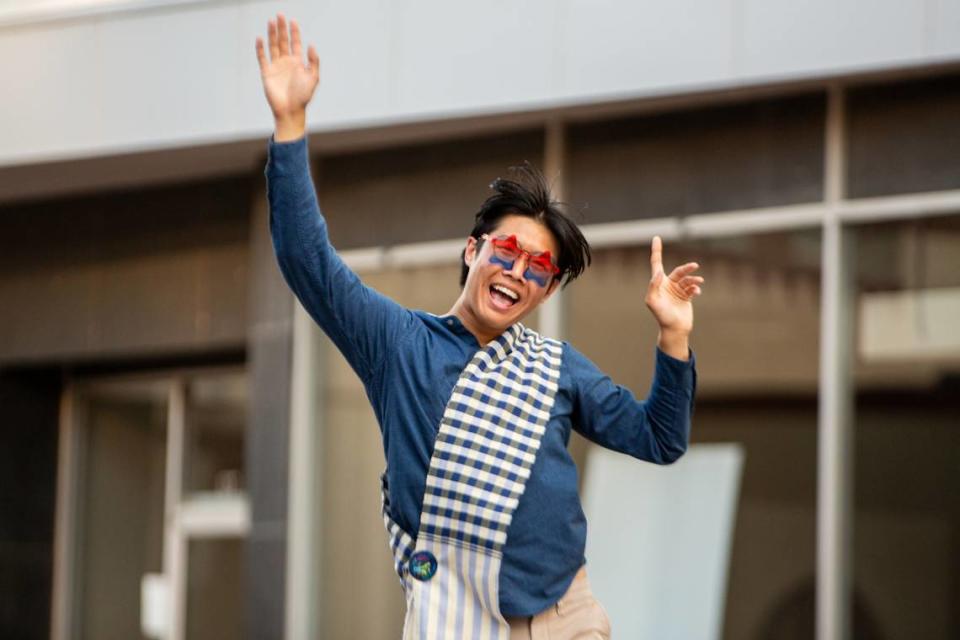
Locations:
column 577, row 616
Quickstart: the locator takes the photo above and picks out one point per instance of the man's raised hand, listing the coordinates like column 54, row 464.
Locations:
column 287, row 82
column 670, row 298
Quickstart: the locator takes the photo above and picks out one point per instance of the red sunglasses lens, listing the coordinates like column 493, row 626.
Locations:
column 508, row 249
column 543, row 264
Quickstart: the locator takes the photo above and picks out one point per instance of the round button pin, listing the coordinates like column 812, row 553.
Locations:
column 423, row 565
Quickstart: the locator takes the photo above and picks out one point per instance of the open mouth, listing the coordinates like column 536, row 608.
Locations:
column 503, row 298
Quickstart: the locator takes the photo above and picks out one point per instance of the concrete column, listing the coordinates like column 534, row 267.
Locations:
column 270, row 349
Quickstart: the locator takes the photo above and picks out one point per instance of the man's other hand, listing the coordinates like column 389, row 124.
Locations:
column 670, row 299
column 287, row 82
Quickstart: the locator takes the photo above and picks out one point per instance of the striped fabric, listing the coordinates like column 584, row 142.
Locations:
column 401, row 544
column 485, row 448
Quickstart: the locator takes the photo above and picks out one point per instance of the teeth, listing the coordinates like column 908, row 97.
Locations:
column 510, row 294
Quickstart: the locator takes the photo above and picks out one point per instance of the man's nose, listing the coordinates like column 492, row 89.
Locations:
column 519, row 268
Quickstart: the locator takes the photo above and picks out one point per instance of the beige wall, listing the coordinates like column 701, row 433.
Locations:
column 360, row 595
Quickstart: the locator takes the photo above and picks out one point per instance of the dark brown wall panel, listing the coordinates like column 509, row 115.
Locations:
column 416, row 193
column 741, row 156
column 132, row 273
column 904, row 137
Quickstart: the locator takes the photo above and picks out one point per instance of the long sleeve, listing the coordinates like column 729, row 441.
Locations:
column 362, row 323
column 656, row 429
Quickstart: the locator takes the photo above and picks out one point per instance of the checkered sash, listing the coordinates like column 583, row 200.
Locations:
column 485, row 448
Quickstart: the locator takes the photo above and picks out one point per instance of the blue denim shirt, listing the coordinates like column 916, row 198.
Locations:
column 409, row 362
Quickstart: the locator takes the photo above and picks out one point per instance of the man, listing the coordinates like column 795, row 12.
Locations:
column 480, row 493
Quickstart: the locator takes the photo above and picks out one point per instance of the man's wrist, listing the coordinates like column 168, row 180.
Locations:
column 674, row 343
column 290, row 128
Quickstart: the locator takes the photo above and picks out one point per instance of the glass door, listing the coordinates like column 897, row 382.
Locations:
column 213, row 514
column 120, row 505
column 153, row 511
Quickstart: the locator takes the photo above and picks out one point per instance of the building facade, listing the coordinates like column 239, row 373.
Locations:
column 184, row 455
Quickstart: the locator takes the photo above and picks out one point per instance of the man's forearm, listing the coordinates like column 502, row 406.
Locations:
column 675, row 344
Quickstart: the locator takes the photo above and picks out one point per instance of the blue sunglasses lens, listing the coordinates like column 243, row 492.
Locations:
column 541, row 279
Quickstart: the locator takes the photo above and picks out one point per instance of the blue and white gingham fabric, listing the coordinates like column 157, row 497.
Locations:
column 485, row 448
column 488, row 440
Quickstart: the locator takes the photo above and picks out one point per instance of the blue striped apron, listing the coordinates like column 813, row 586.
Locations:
column 485, row 448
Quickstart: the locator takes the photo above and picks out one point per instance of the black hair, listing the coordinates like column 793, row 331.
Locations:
column 529, row 195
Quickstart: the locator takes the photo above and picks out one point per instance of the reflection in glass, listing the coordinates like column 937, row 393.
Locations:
column 120, row 506
column 360, row 595
column 756, row 342
column 902, row 136
column 215, row 588
column 215, row 428
column 711, row 158
column 907, row 428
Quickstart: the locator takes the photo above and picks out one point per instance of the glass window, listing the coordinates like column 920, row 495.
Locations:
column 149, row 270
column 416, row 193
column 360, row 595
column 756, row 341
column 907, row 429
column 215, row 588
column 699, row 160
column 904, row 137
column 120, row 523
column 215, row 433
column 123, row 466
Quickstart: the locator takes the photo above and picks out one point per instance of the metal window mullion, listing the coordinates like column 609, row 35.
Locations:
column 701, row 225
column 64, row 623
column 835, row 424
column 908, row 206
column 174, row 547
column 552, row 313
column 220, row 517
column 303, row 533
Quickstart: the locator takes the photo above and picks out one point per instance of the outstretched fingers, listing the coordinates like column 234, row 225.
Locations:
column 683, row 270
column 272, row 40
column 314, row 61
column 261, row 56
column 295, row 45
column 688, row 284
column 284, row 39
column 656, row 256
column 681, row 281
column 283, row 36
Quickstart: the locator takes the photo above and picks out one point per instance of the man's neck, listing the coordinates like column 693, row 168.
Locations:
column 470, row 322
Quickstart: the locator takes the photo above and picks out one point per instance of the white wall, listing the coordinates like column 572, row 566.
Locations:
column 186, row 75
column 660, row 539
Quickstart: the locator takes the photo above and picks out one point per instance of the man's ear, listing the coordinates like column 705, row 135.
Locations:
column 470, row 252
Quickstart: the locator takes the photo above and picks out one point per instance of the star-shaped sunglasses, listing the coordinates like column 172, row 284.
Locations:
column 506, row 252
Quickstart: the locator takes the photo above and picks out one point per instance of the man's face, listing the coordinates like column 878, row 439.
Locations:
column 497, row 297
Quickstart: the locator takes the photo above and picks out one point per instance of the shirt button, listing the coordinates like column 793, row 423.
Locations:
column 449, row 322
